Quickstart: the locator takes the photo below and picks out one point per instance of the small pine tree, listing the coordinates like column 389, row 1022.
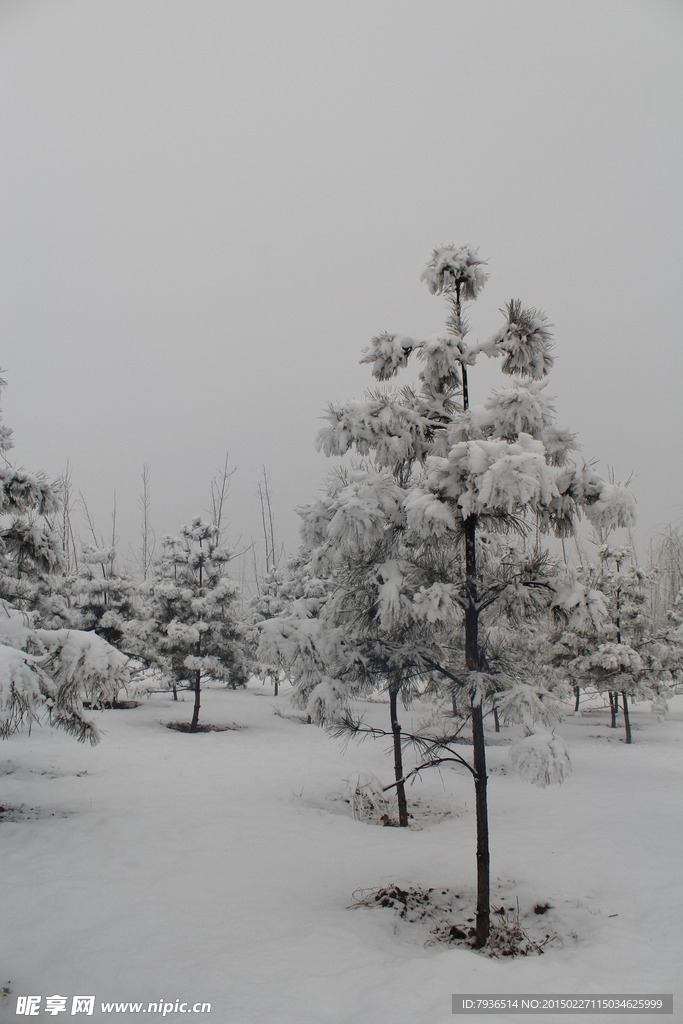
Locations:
column 106, row 599
column 622, row 655
column 192, row 622
column 287, row 596
column 414, row 543
column 43, row 671
column 29, row 546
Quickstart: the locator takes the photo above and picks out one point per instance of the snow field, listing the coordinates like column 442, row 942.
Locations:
column 217, row 867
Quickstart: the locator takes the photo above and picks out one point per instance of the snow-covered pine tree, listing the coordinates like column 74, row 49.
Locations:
column 295, row 640
column 192, row 620
column 106, row 599
column 359, row 649
column 29, row 546
column 53, row 672
column 275, row 591
column 450, row 478
column 622, row 655
column 325, row 650
column 43, row 671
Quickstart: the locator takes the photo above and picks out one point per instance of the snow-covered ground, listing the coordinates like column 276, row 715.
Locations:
column 219, row 867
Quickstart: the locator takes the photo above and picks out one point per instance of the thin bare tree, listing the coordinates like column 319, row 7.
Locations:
column 65, row 526
column 90, row 522
column 147, row 537
column 273, row 554
column 219, row 491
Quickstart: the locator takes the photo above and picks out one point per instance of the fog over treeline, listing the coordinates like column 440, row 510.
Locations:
column 209, row 209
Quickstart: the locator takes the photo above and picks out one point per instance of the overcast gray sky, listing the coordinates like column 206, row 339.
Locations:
column 209, row 207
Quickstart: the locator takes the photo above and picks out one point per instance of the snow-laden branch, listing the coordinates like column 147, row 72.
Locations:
column 55, row 671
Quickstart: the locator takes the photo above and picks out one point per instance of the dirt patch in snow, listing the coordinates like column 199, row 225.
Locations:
column 19, row 771
column 117, row 705
column 186, row 727
column 519, row 926
column 23, row 813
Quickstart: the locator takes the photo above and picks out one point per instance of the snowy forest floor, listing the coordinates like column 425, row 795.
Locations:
column 220, row 867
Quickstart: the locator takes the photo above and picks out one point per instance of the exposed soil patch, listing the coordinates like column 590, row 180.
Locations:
column 115, row 705
column 185, row 727
column 50, row 771
column 24, row 813
column 448, row 917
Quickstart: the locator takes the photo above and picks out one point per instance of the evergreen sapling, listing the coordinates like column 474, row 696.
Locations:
column 416, row 546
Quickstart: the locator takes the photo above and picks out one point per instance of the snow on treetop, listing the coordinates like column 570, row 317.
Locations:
column 199, row 530
column 524, row 340
column 450, row 268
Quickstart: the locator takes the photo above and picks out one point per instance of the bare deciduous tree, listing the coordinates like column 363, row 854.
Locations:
column 147, row 537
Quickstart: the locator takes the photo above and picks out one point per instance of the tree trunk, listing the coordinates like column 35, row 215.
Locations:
column 577, row 694
column 478, row 743
column 613, row 708
column 195, row 711
column 198, row 672
column 398, row 757
column 175, row 690
column 627, row 720
column 483, row 861
column 495, row 718
column 276, row 688
column 471, row 613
